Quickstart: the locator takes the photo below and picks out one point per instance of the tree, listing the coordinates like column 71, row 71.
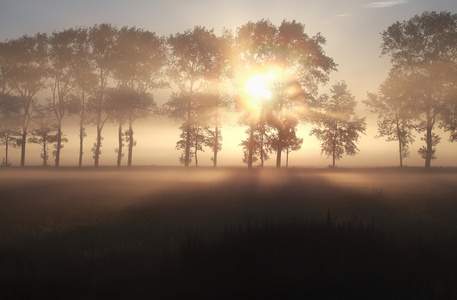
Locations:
column 195, row 59
column 423, row 150
column 395, row 121
column 64, row 59
column 102, row 41
column 138, row 69
column 424, row 49
column 338, row 127
column 85, row 80
column 125, row 106
column 292, row 142
column 214, row 108
column 9, row 124
column 45, row 132
column 295, row 64
column 24, row 72
column 250, row 147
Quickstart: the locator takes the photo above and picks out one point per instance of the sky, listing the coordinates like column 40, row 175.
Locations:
column 352, row 29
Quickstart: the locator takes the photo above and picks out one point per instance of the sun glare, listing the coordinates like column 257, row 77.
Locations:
column 257, row 88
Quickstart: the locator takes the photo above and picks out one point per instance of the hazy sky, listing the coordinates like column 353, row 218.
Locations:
column 352, row 29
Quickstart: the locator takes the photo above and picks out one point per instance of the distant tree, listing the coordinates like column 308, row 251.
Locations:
column 45, row 132
column 297, row 64
column 85, row 80
column 257, row 146
column 102, row 41
column 9, row 124
column 395, row 121
column 424, row 49
column 195, row 59
column 24, row 71
column 449, row 123
column 213, row 111
column 292, row 142
column 338, row 127
column 125, row 106
column 250, row 147
column 64, row 57
column 138, row 69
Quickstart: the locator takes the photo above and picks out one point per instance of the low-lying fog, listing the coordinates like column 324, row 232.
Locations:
column 47, row 200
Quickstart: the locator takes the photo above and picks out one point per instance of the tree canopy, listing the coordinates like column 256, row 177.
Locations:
column 424, row 50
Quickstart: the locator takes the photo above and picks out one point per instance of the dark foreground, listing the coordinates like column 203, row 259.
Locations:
column 172, row 233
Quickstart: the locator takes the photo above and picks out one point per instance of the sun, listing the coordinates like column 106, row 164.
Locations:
column 256, row 87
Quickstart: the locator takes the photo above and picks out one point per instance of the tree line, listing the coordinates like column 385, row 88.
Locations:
column 268, row 75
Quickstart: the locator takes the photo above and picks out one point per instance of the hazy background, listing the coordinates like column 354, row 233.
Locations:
column 352, row 29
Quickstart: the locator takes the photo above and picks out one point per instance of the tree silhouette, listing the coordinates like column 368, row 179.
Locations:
column 395, row 121
column 292, row 142
column 24, row 72
column 195, row 58
column 138, row 69
column 63, row 56
column 423, row 48
column 338, row 126
column 297, row 64
column 45, row 132
column 9, row 124
column 102, row 40
column 213, row 108
column 126, row 105
column 85, row 82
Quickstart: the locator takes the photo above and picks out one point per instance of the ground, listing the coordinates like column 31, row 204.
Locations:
column 109, row 232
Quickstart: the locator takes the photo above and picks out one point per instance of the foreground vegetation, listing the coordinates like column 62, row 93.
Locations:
column 233, row 233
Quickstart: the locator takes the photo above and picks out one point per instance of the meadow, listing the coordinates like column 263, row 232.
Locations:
column 172, row 233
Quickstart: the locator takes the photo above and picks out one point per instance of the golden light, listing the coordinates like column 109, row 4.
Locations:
column 257, row 88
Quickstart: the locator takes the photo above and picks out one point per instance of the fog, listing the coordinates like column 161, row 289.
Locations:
column 167, row 232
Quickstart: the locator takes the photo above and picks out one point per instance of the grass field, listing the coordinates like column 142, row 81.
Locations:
column 228, row 233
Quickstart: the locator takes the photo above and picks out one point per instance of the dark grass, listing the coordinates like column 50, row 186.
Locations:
column 171, row 233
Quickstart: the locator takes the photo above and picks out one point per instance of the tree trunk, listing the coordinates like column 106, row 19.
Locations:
column 131, row 142
column 287, row 158
column 251, row 147
column 81, row 144
column 196, row 147
column 262, row 158
column 280, row 148
column 45, row 152
column 120, row 137
column 6, row 149
column 401, row 155
column 97, row 147
column 59, row 143
column 428, row 155
column 216, row 146
column 82, row 133
column 24, row 142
